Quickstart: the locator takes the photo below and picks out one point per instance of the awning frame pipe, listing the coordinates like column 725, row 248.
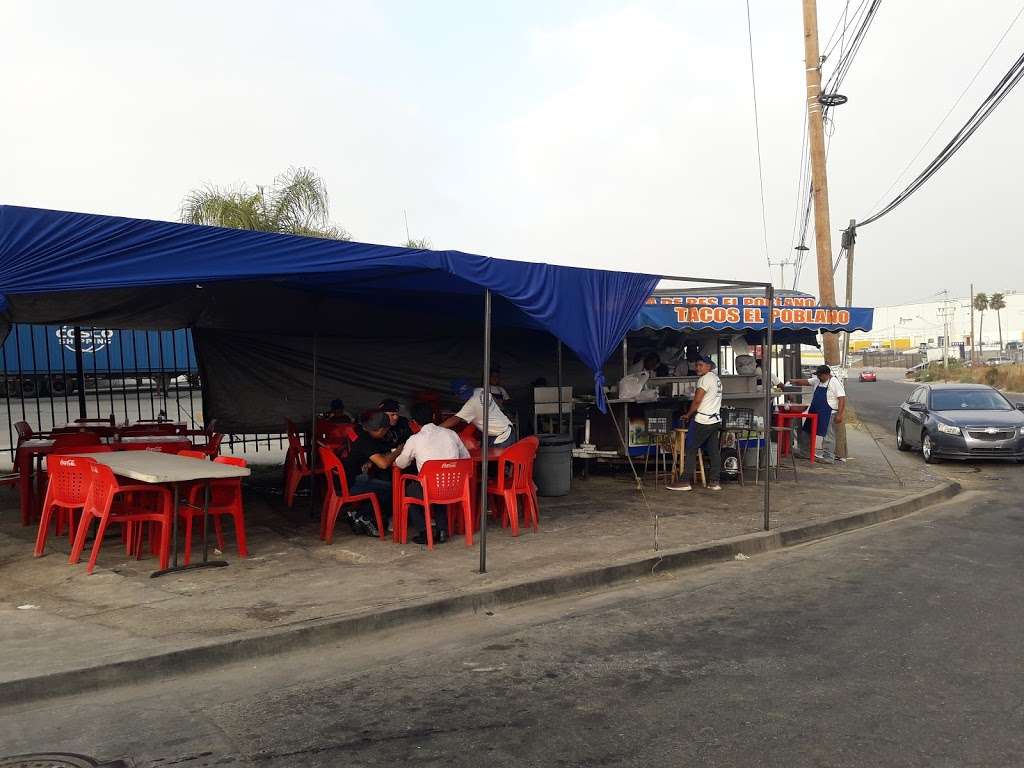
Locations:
column 485, row 432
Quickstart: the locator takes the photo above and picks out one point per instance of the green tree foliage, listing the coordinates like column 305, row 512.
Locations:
column 296, row 203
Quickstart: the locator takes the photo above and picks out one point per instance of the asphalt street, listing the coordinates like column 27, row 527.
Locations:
column 896, row 645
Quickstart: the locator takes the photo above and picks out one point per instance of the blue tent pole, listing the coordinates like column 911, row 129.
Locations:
column 485, row 436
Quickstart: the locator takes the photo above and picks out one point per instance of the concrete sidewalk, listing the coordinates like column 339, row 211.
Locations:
column 58, row 622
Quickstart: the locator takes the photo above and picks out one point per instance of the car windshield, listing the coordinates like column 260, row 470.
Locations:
column 968, row 400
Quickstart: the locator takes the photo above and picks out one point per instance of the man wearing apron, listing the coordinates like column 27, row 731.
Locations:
column 829, row 403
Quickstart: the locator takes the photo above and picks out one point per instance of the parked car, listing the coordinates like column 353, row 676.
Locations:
column 913, row 372
column 999, row 361
column 868, row 376
column 961, row 421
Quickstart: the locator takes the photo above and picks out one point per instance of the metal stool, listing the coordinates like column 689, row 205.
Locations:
column 768, row 451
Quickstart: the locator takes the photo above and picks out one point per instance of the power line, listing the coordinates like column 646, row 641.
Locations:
column 988, row 106
column 951, row 109
column 757, row 135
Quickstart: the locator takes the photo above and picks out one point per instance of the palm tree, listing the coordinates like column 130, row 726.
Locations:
column 296, row 204
column 997, row 302
column 422, row 243
column 980, row 305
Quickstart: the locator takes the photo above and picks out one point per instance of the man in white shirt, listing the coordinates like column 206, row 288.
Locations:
column 828, row 401
column 499, row 428
column 430, row 443
column 704, row 428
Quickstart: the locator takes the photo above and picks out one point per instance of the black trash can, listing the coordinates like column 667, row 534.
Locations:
column 552, row 471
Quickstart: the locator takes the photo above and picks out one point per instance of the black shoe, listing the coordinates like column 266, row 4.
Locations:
column 440, row 537
column 370, row 527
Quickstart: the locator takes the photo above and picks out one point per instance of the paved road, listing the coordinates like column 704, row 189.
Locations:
column 892, row 646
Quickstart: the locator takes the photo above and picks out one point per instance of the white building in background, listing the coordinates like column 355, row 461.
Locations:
column 911, row 325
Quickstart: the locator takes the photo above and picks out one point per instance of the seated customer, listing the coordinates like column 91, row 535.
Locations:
column 337, row 414
column 430, row 443
column 501, row 433
column 367, row 470
column 399, row 429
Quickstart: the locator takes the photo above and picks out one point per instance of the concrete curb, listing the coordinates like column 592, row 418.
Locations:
column 148, row 668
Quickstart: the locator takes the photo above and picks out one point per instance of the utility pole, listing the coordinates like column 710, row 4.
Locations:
column 945, row 310
column 849, row 240
column 819, row 179
column 972, row 325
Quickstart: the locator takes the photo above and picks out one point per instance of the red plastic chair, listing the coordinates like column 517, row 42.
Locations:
column 296, row 468
column 70, row 477
column 444, row 482
column 99, row 505
column 81, row 442
column 514, row 479
column 225, row 499
column 338, row 496
column 24, row 431
column 212, row 448
column 414, row 426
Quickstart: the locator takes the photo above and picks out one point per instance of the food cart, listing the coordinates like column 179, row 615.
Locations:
column 729, row 327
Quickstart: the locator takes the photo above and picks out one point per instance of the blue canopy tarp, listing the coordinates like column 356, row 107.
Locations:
column 689, row 312
column 57, row 266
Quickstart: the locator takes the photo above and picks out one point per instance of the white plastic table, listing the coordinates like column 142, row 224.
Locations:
column 157, row 468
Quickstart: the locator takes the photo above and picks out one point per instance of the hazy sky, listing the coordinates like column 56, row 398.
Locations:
column 602, row 134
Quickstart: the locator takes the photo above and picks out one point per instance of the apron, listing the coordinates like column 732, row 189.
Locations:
column 819, row 405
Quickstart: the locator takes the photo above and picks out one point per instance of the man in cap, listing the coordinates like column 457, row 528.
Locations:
column 400, row 429
column 367, row 469
column 828, row 402
column 500, row 430
column 704, row 428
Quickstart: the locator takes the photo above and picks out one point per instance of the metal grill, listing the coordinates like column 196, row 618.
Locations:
column 991, row 436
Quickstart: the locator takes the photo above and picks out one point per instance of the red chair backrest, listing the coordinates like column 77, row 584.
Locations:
column 101, row 490
column 192, row 454
column 75, row 450
column 296, row 452
column 470, row 437
column 75, row 439
column 520, row 455
column 337, row 481
column 446, row 479
column 24, row 430
column 229, row 489
column 414, row 426
column 70, row 478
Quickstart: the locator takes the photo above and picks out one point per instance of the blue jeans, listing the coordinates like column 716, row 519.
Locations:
column 417, row 520
column 379, row 488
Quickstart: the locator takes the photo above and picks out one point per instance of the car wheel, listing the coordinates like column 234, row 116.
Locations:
column 901, row 442
column 928, row 449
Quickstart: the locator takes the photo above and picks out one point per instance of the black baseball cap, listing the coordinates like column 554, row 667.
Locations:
column 373, row 420
column 705, row 359
column 389, row 405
